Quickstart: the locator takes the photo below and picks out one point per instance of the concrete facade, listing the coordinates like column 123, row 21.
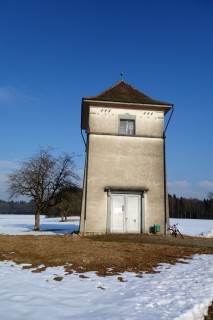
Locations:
column 124, row 164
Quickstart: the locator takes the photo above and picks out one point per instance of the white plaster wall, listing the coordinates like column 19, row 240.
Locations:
column 106, row 120
column 124, row 161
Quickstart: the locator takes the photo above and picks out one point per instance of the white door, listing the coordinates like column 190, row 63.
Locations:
column 125, row 213
column 133, row 213
column 117, row 213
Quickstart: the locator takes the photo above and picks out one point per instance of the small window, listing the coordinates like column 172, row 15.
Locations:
column 127, row 127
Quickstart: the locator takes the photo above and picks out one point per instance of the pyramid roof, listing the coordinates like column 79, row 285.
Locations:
column 124, row 92
column 121, row 95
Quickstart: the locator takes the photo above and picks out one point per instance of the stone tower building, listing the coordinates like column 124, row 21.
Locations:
column 124, row 180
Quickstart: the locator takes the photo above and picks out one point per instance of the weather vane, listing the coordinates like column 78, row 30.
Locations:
column 122, row 75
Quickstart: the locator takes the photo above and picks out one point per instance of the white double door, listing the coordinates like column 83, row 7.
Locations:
column 125, row 213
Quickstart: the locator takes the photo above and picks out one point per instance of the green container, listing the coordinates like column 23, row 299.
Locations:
column 156, row 228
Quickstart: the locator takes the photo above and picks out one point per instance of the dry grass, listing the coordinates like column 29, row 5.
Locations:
column 118, row 253
column 104, row 254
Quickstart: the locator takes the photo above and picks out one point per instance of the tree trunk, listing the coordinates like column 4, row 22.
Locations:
column 37, row 220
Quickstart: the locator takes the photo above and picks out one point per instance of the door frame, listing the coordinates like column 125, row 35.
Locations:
column 126, row 192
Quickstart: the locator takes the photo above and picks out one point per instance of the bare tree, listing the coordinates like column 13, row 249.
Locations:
column 42, row 178
column 210, row 195
column 70, row 202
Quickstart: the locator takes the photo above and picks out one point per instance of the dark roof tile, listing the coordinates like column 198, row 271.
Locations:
column 123, row 92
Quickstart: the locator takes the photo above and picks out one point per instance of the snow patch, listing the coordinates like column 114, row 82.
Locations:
column 181, row 292
column 194, row 227
column 207, row 234
column 24, row 224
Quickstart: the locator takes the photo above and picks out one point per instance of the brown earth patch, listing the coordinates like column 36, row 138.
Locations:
column 104, row 254
column 210, row 313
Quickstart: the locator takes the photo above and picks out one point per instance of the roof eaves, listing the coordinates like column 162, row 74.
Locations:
column 154, row 104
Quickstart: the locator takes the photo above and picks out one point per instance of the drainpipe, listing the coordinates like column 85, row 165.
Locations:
column 86, row 144
column 83, row 139
column 84, row 198
column 164, row 167
column 86, row 182
column 81, row 124
column 85, row 173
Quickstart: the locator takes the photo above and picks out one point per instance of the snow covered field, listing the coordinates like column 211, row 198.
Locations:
column 24, row 225
column 195, row 227
column 183, row 291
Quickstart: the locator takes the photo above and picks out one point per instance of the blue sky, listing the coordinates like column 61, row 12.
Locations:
column 52, row 53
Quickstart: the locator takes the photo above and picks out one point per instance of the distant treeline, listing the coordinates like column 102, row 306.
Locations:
column 190, row 208
column 70, row 205
column 17, row 207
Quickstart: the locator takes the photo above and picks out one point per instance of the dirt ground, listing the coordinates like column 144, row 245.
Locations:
column 210, row 313
column 104, row 254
